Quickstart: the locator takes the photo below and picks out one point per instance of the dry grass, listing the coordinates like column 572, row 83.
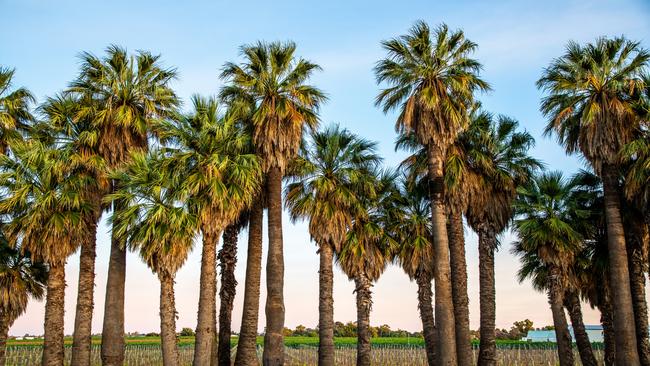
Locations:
column 148, row 355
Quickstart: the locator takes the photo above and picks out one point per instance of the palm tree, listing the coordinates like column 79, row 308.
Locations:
column 459, row 180
column 590, row 271
column 636, row 240
column 14, row 110
column 498, row 154
column 220, row 178
column 590, row 109
column 227, row 257
column 411, row 227
column 549, row 240
column 247, row 343
column 76, row 137
column 332, row 169
column 573, row 307
column 636, row 216
column 274, row 80
column 120, row 96
column 158, row 225
column 21, row 278
column 46, row 211
column 367, row 250
column 432, row 79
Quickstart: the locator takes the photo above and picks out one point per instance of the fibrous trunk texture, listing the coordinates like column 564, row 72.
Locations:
column 5, row 323
column 54, row 310
column 444, row 307
column 364, row 305
column 487, row 241
column 459, row 288
column 4, row 334
column 572, row 304
column 556, row 300
column 273, row 338
column 113, row 327
column 626, row 345
column 168, row 320
column 205, row 327
column 425, row 296
column 637, row 237
column 326, row 307
column 82, row 336
column 227, row 260
column 607, row 321
column 246, row 346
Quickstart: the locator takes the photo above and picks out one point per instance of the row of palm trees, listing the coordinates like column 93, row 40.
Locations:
column 115, row 141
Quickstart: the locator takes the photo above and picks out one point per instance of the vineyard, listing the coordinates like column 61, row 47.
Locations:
column 141, row 351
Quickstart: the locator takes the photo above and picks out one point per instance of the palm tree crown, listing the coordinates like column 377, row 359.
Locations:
column 548, row 221
column 410, row 227
column 589, row 103
column 20, row 278
column 14, row 109
column 432, row 80
column 498, row 153
column 368, row 246
column 156, row 222
column 210, row 152
column 327, row 179
column 120, row 96
column 43, row 202
column 273, row 80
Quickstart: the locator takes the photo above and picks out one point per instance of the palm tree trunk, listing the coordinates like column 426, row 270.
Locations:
column 444, row 310
column 113, row 345
column 364, row 305
column 326, row 307
column 247, row 344
column 5, row 323
column 228, row 259
column 273, row 338
column 487, row 242
column 562, row 335
column 426, row 314
column 572, row 304
column 54, row 310
column 82, row 336
column 626, row 345
column 168, row 320
column 205, row 327
column 637, row 236
column 459, row 288
column 607, row 321
column 214, row 351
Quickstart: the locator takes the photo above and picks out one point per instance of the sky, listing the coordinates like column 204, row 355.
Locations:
column 516, row 39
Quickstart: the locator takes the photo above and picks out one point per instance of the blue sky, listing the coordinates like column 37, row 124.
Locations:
column 516, row 39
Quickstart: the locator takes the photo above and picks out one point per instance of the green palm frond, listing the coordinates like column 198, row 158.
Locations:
column 120, row 95
column 431, row 78
column 497, row 157
column 210, row 154
column 272, row 82
column 43, row 201
column 328, row 180
column 21, row 278
column 592, row 97
column 156, row 220
column 15, row 115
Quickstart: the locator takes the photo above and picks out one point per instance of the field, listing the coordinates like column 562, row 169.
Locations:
column 143, row 351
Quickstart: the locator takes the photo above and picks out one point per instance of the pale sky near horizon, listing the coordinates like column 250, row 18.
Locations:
column 516, row 39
